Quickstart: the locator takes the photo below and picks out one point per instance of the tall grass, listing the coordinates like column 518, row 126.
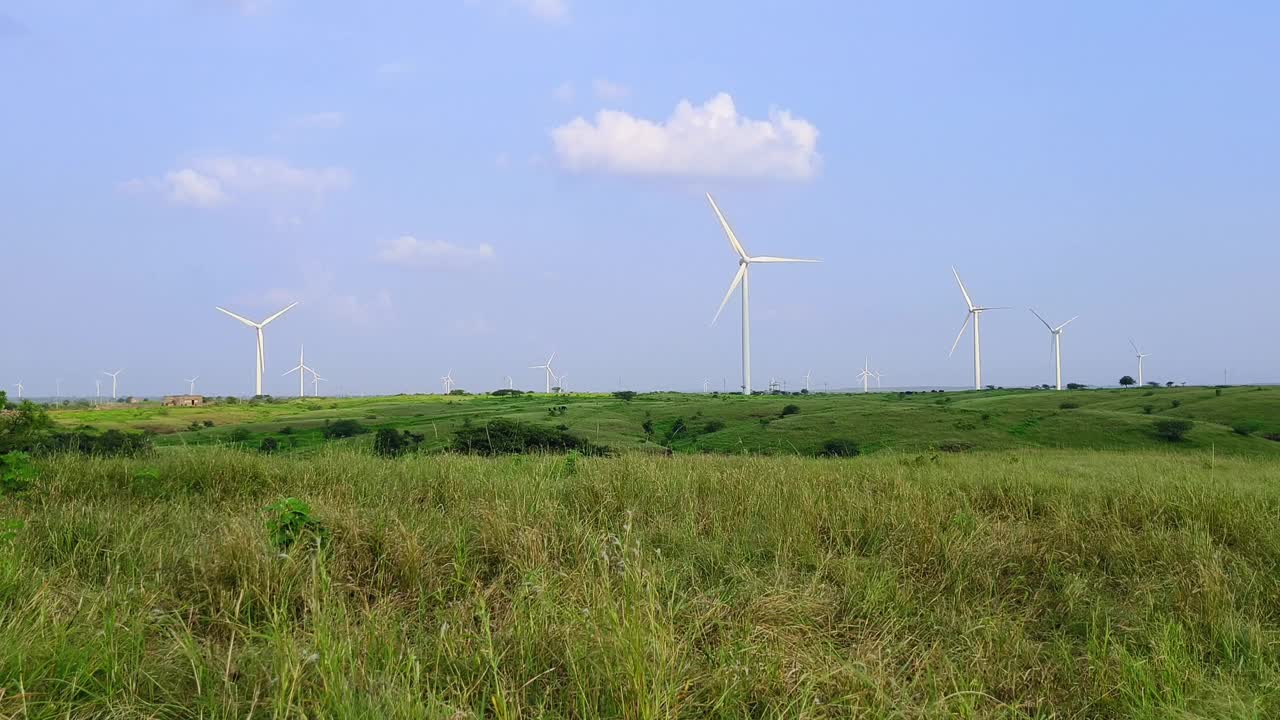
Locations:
column 1028, row 584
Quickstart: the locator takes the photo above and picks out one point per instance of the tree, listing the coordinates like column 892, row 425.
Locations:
column 1076, row 386
column 1155, row 384
column 625, row 395
column 1173, row 430
column 1127, row 380
column 1169, row 384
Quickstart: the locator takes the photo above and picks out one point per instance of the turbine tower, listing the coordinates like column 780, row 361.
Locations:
column 706, row 385
column 510, row 382
column 262, row 355
column 20, row 388
column 550, row 373
column 742, row 277
column 315, row 383
column 1057, row 345
column 1140, row 355
column 866, row 375
column 807, row 375
column 113, row 375
column 975, row 312
column 98, row 383
column 302, row 371
column 564, row 386
column 878, row 375
column 191, row 390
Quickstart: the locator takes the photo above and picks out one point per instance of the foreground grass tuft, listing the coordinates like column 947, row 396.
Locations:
column 1021, row 584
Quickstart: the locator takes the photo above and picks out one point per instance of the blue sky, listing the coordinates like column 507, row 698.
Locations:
column 437, row 184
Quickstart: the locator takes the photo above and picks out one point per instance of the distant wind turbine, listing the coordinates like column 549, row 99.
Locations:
column 302, row 371
column 1140, row 355
column 510, row 383
column 1057, row 345
column 262, row 354
column 742, row 277
column 550, row 373
column 20, row 388
column 98, row 383
column 866, row 375
column 315, row 383
column 447, row 382
column 975, row 312
column 191, row 390
column 564, row 386
column 113, row 375
column 706, row 385
column 58, row 384
column 878, row 375
column 807, row 375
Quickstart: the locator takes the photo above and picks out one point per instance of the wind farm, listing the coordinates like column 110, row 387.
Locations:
column 582, row 523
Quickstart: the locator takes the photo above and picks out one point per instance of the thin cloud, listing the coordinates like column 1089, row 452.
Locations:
column 319, row 121
column 708, row 140
column 408, row 251
column 546, row 10
column 214, row 181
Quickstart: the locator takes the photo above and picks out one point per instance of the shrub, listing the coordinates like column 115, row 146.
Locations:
column 290, row 520
column 1147, row 409
column 1217, row 392
column 1076, row 386
column 1068, row 405
column 238, row 435
column 625, row 395
column 1246, row 427
column 344, row 428
column 390, row 442
column 790, row 410
column 512, row 392
column 503, row 437
column 16, row 473
column 839, row 447
column 194, row 426
column 713, row 426
column 1175, row 403
column 1173, row 430
column 268, row 445
column 647, row 426
column 286, row 430
column 207, row 423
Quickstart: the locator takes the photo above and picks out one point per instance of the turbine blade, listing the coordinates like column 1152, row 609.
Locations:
column 1134, row 346
column 1046, row 322
column 733, row 239
column 1067, row 322
column 742, row 270
column 963, row 327
column 246, row 321
column 273, row 317
column 771, row 259
column 964, row 292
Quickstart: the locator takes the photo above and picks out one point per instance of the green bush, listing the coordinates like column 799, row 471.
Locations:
column 713, row 426
column 625, row 395
column 1246, row 427
column 1147, row 409
column 1068, row 405
column 1175, row 403
column 16, row 473
column 268, row 445
column 1173, row 430
column 790, row 410
column 290, row 520
column 390, row 442
column 839, row 447
column 344, row 428
column 504, row 437
column 239, row 435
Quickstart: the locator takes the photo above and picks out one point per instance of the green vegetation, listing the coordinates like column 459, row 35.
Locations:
column 1014, row 584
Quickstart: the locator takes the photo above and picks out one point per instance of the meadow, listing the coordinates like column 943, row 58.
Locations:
column 1028, row 583
column 952, row 421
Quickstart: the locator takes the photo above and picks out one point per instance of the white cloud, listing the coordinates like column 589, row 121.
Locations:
column 563, row 92
column 188, row 187
column 708, row 140
column 218, row 180
column 319, row 121
column 546, row 9
column 408, row 251
column 608, row 91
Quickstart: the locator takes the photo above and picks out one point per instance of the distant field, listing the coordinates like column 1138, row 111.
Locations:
column 1011, row 584
column 952, row 421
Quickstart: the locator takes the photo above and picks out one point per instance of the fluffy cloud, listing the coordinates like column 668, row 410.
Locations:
column 708, row 140
column 409, row 251
column 608, row 91
column 219, row 180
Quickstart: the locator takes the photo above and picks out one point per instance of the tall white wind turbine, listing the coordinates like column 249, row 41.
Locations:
column 564, row 386
column 113, row 375
column 262, row 353
column 807, row 375
column 975, row 313
column 98, row 383
column 550, row 373
column 1057, row 344
column 1140, row 355
column 315, row 383
column 706, row 385
column 742, row 277
column 302, row 371
column 20, row 388
column 510, row 383
column 866, row 375
column 878, row 375
column 191, row 390
column 447, row 382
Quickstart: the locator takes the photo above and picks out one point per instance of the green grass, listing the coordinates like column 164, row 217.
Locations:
column 1011, row 584
column 998, row 420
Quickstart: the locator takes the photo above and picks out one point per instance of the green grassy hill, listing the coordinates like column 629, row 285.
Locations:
column 951, row 421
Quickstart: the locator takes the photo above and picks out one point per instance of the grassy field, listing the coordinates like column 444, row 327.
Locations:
column 956, row 421
column 1010, row 584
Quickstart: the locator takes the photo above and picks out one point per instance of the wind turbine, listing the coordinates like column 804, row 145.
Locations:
column 192, row 382
column 878, row 375
column 1140, row 355
column 706, row 385
column 744, row 263
column 447, row 381
column 315, row 383
column 866, row 375
column 98, row 383
column 262, row 356
column 509, row 383
column 564, row 386
column 113, row 375
column 20, row 388
column 58, row 385
column 550, row 374
column 975, row 312
column 302, row 371
column 807, row 374
column 1057, row 345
